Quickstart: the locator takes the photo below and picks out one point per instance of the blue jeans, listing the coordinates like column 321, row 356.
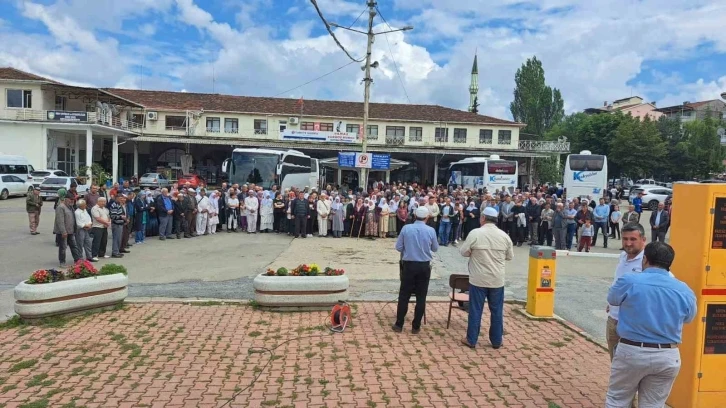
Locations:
column 495, row 298
column 140, row 235
column 571, row 231
column 444, row 232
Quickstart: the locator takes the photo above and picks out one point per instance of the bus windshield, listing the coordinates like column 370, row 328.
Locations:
column 586, row 162
column 257, row 168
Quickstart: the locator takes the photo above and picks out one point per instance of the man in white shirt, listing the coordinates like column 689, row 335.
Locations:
column 631, row 261
column 83, row 231
column 251, row 206
column 487, row 248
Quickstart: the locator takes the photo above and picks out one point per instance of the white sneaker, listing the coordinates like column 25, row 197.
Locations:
column 310, row 235
column 107, row 256
column 94, row 259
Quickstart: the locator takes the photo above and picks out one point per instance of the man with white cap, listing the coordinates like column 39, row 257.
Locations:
column 487, row 248
column 415, row 243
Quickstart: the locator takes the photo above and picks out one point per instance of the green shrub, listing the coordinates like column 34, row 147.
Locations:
column 282, row 271
column 111, row 269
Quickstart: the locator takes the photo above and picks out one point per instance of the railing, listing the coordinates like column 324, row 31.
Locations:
column 544, row 146
column 396, row 140
column 89, row 117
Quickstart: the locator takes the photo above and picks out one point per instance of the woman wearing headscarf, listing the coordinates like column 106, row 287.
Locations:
column 393, row 207
column 359, row 216
column 383, row 216
column 266, row 213
column 401, row 216
column 371, row 219
column 312, row 209
column 471, row 219
column 337, row 214
column 213, row 219
column 288, row 213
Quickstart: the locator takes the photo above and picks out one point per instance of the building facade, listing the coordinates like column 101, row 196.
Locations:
column 690, row 111
column 136, row 131
column 633, row 105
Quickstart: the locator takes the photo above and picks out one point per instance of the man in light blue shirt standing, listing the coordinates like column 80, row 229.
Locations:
column 653, row 308
column 601, row 215
column 415, row 243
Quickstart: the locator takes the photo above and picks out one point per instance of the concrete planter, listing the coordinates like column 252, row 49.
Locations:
column 50, row 299
column 300, row 291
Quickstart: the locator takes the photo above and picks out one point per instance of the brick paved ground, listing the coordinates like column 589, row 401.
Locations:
column 176, row 355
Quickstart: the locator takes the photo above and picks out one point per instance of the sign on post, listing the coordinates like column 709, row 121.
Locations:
column 373, row 161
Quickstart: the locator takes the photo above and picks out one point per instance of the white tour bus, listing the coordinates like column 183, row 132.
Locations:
column 586, row 174
column 491, row 173
column 267, row 167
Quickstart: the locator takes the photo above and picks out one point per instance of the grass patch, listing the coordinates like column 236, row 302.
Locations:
column 37, row 380
column 12, row 323
column 534, row 386
column 207, row 303
column 271, row 403
column 310, row 354
column 371, row 404
column 41, row 403
column 557, row 344
column 8, row 388
column 47, row 356
column 551, row 404
column 254, row 334
column 323, row 381
column 22, row 365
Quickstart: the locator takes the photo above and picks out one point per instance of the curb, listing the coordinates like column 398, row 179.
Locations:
column 562, row 252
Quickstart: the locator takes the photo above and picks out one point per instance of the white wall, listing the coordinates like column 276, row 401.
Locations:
column 24, row 140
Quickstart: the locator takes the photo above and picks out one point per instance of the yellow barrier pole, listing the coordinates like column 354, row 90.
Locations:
column 541, row 281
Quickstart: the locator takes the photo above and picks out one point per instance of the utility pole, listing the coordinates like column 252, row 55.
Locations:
column 367, row 89
column 372, row 7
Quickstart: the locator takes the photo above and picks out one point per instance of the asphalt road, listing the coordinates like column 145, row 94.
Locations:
column 223, row 266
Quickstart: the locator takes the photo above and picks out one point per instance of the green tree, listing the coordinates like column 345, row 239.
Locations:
column 637, row 148
column 547, row 171
column 536, row 104
column 702, row 148
column 673, row 167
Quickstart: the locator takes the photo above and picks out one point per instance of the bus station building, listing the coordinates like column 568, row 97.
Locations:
column 129, row 132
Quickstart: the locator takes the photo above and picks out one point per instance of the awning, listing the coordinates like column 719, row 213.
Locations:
column 332, row 162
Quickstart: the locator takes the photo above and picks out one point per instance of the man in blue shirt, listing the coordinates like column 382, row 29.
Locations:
column 653, row 308
column 601, row 214
column 638, row 203
column 415, row 243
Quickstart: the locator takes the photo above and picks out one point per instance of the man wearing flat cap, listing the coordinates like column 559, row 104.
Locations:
column 416, row 243
column 65, row 228
column 487, row 248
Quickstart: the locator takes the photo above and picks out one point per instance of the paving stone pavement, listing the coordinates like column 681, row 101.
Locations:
column 181, row 355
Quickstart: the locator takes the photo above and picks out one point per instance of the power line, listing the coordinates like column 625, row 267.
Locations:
column 313, row 80
column 330, row 31
column 392, row 57
column 358, row 18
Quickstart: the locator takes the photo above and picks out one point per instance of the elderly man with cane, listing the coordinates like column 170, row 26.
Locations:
column 416, row 243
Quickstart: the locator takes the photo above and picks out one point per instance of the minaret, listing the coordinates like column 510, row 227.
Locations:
column 474, row 87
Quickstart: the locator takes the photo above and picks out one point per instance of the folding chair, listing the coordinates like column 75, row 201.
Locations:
column 457, row 282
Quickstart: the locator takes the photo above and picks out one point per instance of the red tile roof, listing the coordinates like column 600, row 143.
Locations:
column 291, row 107
column 18, row 75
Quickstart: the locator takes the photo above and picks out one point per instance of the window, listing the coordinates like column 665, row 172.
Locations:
column 586, row 162
column 176, row 122
column 504, row 137
column 213, row 125
column 502, row 167
column 307, row 126
column 415, row 134
column 60, row 103
column 396, row 131
column 326, row 127
column 260, row 126
column 19, row 98
column 485, row 136
column 352, row 128
column 441, row 135
column 14, row 169
column 231, row 126
column 459, row 135
column 66, row 160
column 372, row 132
column 138, row 118
column 283, row 125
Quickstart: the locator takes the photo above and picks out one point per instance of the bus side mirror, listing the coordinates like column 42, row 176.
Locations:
column 225, row 164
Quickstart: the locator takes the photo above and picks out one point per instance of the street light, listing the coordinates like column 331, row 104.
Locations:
column 367, row 68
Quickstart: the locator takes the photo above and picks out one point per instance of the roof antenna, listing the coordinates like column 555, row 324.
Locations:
column 213, row 79
column 141, row 77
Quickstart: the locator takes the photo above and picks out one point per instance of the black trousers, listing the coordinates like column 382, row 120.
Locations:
column 414, row 279
column 301, row 223
column 68, row 242
column 178, row 226
column 100, row 241
column 277, row 222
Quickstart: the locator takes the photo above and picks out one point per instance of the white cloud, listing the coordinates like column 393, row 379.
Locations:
column 590, row 50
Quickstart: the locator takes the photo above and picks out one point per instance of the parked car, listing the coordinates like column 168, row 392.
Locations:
column 11, row 185
column 154, row 180
column 40, row 175
column 652, row 195
column 193, row 180
column 50, row 186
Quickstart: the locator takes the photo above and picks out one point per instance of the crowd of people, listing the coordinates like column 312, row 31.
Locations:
column 540, row 215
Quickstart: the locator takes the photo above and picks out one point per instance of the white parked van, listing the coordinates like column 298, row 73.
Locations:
column 16, row 166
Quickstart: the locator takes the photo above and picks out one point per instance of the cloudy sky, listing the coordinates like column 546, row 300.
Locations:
column 667, row 51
